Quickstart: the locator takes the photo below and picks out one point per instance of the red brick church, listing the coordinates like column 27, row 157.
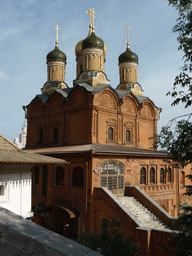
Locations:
column 104, row 134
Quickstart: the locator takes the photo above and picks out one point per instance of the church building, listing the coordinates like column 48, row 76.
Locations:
column 107, row 136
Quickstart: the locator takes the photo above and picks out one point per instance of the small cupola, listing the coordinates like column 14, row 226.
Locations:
column 128, row 62
column 56, row 61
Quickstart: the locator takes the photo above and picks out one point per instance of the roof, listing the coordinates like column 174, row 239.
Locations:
column 9, row 153
column 97, row 89
column 99, row 149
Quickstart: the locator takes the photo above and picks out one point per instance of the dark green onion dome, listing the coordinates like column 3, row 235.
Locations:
column 93, row 41
column 78, row 49
column 56, row 55
column 128, row 56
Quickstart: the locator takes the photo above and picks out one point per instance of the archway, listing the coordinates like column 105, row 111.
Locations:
column 64, row 222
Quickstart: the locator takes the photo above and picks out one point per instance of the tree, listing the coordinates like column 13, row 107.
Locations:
column 177, row 139
column 111, row 241
column 184, row 27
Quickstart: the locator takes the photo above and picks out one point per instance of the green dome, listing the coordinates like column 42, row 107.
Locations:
column 78, row 48
column 56, row 55
column 128, row 56
column 93, row 41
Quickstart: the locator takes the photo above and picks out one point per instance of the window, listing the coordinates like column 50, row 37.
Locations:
column 169, row 175
column 41, row 136
column 112, row 175
column 162, row 176
column 2, row 190
column 128, row 137
column 152, row 175
column 55, row 135
column 183, row 178
column 78, row 177
column 143, row 176
column 44, row 180
column 59, row 176
column 110, row 133
column 36, row 175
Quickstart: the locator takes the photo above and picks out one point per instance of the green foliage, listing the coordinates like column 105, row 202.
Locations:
column 184, row 28
column 38, row 210
column 111, row 241
column 178, row 143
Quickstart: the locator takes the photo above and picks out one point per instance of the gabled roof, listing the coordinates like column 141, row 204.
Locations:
column 9, row 153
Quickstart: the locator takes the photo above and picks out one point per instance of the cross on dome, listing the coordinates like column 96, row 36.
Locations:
column 57, row 28
column 91, row 13
column 127, row 28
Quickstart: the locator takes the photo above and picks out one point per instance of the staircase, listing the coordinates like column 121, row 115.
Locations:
column 140, row 212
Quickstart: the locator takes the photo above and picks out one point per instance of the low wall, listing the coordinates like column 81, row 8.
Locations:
column 20, row 237
column 107, row 205
column 151, row 205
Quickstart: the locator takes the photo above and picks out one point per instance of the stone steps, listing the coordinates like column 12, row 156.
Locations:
column 146, row 217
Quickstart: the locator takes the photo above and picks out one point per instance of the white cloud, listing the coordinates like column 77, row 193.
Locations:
column 4, row 76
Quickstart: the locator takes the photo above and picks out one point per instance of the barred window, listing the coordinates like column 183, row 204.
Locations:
column 169, row 175
column 152, row 175
column 162, row 176
column 112, row 175
column 143, row 176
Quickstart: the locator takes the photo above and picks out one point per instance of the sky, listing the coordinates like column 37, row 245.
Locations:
column 27, row 36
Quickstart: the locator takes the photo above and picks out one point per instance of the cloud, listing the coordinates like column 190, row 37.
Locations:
column 4, row 76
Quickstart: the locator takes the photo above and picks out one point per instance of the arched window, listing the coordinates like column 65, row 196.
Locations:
column 112, row 175
column 44, row 180
column 36, row 175
column 41, row 136
column 128, row 136
column 59, row 176
column 78, row 177
column 55, row 135
column 110, row 133
column 169, row 175
column 162, row 176
column 143, row 176
column 152, row 175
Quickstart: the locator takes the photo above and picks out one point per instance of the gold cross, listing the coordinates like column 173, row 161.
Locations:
column 91, row 13
column 127, row 28
column 57, row 28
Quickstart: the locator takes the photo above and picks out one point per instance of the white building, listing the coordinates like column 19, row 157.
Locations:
column 21, row 141
column 15, row 176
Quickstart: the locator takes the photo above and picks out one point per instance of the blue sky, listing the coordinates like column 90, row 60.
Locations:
column 27, row 36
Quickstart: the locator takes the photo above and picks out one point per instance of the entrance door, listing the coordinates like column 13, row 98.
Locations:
column 64, row 222
column 61, row 222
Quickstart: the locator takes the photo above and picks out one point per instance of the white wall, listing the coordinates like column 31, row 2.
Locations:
column 17, row 194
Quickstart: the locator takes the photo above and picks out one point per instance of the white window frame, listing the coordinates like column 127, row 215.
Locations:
column 5, row 197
